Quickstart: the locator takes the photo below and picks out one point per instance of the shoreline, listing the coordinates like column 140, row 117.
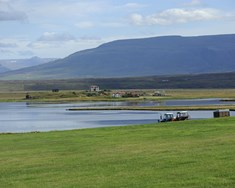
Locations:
column 163, row 108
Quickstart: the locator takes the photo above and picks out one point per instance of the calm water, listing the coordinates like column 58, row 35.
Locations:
column 193, row 102
column 23, row 117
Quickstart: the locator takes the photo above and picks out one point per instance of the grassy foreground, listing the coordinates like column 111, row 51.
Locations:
column 178, row 154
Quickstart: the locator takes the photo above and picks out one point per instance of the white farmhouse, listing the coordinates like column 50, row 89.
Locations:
column 94, row 88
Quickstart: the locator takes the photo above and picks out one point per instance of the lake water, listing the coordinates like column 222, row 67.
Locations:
column 30, row 117
column 191, row 102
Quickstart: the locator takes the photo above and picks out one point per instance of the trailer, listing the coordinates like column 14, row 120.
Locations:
column 182, row 115
column 222, row 113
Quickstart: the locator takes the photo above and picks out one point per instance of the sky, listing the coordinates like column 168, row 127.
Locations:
column 58, row 28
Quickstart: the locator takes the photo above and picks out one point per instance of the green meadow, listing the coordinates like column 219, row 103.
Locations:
column 146, row 94
column 197, row 153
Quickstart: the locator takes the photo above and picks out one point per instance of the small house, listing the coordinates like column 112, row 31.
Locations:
column 55, row 90
column 116, row 95
column 94, row 88
column 27, row 96
column 159, row 93
column 221, row 113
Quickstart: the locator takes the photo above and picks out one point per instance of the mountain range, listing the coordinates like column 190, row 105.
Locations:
column 3, row 69
column 15, row 64
column 167, row 55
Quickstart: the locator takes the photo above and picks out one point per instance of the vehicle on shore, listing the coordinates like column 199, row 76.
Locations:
column 180, row 116
column 167, row 117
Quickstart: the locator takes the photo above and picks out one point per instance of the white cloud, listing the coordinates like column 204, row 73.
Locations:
column 6, row 51
column 134, row 5
column 137, row 19
column 85, row 25
column 107, row 24
column 90, row 38
column 40, row 45
column 12, row 16
column 7, row 45
column 65, row 9
column 14, row 47
column 27, row 53
column 194, row 3
column 9, row 13
column 55, row 37
column 113, row 24
column 177, row 15
column 61, row 50
column 52, row 40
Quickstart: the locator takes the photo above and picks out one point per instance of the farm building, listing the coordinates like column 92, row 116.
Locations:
column 94, row 88
column 55, row 90
column 116, row 95
column 159, row 93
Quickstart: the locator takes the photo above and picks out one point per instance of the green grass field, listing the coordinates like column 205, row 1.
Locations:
column 197, row 153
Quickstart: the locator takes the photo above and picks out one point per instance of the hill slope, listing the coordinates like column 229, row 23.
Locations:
column 218, row 80
column 168, row 55
column 3, row 69
column 14, row 64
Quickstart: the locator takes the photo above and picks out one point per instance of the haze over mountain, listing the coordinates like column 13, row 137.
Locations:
column 168, row 55
column 14, row 64
column 3, row 69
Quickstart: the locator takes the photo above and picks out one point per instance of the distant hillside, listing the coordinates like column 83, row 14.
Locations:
column 14, row 64
column 222, row 80
column 169, row 55
column 3, row 69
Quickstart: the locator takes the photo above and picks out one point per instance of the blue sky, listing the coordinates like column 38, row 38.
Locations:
column 58, row 28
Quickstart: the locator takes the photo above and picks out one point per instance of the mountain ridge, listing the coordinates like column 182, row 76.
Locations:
column 14, row 64
column 3, row 69
column 167, row 55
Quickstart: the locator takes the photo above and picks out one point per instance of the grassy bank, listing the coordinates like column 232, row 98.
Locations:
column 177, row 154
column 219, row 80
column 158, row 108
column 82, row 95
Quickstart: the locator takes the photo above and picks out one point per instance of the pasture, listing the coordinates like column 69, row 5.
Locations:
column 177, row 154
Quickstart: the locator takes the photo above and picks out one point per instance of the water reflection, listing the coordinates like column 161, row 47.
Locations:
column 191, row 102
